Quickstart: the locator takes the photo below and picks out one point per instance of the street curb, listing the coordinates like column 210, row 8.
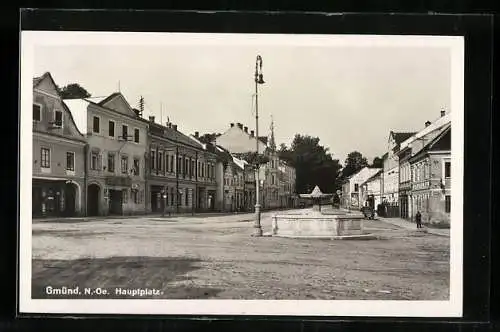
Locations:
column 428, row 230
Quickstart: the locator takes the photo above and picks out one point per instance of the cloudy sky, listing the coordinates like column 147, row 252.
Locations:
column 348, row 96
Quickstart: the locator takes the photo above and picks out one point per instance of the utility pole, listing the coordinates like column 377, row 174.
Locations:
column 258, row 80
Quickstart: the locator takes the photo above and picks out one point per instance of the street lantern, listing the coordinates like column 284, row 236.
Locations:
column 259, row 79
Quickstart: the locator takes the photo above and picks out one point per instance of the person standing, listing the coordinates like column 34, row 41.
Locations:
column 418, row 219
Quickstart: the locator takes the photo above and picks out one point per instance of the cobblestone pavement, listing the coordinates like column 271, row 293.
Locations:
column 216, row 257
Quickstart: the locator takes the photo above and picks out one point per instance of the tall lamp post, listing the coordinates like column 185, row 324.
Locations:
column 258, row 80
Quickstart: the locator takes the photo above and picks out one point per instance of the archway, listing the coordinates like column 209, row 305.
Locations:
column 93, row 194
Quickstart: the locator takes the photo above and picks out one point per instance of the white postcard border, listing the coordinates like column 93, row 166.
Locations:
column 451, row 308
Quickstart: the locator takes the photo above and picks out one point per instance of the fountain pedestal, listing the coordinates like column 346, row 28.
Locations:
column 315, row 224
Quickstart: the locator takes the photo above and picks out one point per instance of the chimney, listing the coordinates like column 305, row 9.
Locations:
column 246, row 129
column 240, row 125
column 175, row 127
column 232, row 125
column 151, row 118
column 443, row 112
column 252, row 133
column 427, row 123
column 196, row 134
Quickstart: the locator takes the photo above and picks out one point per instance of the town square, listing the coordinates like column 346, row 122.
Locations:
column 247, row 172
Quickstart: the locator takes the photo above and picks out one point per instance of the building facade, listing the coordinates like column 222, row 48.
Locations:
column 58, row 176
column 238, row 140
column 371, row 190
column 431, row 180
column 181, row 174
column 351, row 188
column 408, row 148
column 115, row 160
column 390, row 190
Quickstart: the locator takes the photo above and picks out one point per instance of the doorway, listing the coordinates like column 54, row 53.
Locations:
column 115, row 202
column 93, row 200
column 70, row 199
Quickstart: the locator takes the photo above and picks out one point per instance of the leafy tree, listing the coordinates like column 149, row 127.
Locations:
column 313, row 164
column 354, row 162
column 208, row 138
column 377, row 162
column 73, row 91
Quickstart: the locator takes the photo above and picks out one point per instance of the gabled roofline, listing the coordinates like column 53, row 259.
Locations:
column 430, row 144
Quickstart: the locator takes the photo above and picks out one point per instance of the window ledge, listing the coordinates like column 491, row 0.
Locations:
column 71, row 173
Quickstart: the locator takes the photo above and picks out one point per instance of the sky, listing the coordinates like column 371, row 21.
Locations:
column 350, row 97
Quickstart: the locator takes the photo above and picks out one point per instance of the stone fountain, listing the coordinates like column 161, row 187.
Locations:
column 315, row 223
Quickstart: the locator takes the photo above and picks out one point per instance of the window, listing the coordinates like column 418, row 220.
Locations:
column 95, row 125
column 186, row 166
column 93, row 160
column 111, row 162
column 272, row 179
column 136, row 135
column 45, row 158
column 193, row 168
column 356, row 187
column 136, row 166
column 160, row 161
column 447, row 203
column 37, row 112
column 70, row 161
column 171, row 163
column 153, row 159
column 125, row 132
column 447, row 169
column 58, row 118
column 202, row 170
column 171, row 196
column 178, row 168
column 187, row 196
column 124, row 164
column 111, row 128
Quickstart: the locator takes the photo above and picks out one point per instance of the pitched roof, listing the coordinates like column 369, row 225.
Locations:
column 400, row 137
column 373, row 176
column 263, row 139
column 37, row 80
column 108, row 98
column 440, row 142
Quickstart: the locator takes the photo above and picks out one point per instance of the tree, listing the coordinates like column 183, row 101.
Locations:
column 73, row 91
column 354, row 162
column 377, row 163
column 208, row 138
column 313, row 164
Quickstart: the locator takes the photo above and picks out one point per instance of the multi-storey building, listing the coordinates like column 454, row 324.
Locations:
column 431, row 179
column 58, row 181
column 371, row 190
column 351, row 188
column 390, row 190
column 410, row 148
column 115, row 160
column 239, row 141
column 181, row 171
column 286, row 179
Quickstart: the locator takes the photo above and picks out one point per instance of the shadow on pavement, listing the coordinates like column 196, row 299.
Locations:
column 92, row 276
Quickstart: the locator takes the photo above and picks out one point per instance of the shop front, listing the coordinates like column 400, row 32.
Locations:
column 55, row 198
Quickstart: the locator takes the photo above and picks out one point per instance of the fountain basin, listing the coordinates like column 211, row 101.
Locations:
column 319, row 225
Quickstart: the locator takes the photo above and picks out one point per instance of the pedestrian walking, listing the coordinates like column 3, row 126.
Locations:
column 418, row 219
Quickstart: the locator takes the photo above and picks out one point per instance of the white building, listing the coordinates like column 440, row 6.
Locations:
column 353, row 185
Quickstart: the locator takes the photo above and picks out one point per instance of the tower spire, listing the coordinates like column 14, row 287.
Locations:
column 272, row 143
